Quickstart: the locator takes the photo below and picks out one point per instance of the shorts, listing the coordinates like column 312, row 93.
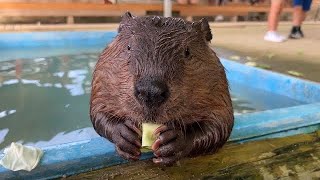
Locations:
column 306, row 4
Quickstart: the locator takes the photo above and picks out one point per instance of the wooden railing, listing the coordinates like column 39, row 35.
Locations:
column 86, row 9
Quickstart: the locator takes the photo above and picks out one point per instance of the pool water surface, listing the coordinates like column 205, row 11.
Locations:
column 45, row 101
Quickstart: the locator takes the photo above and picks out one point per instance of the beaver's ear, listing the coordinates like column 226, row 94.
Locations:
column 205, row 28
column 126, row 18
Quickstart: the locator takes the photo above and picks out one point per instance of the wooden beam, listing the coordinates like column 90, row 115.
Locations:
column 73, row 9
column 64, row 13
column 85, row 9
column 81, row 6
column 202, row 10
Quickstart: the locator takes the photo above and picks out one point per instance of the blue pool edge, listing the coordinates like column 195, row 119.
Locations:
column 77, row 157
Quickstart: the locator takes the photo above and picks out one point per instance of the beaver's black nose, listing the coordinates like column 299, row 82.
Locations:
column 151, row 93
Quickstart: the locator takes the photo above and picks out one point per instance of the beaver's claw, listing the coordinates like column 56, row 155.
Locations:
column 127, row 138
column 170, row 146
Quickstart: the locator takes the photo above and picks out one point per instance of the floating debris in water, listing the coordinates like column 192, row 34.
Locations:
column 237, row 58
column 295, row 73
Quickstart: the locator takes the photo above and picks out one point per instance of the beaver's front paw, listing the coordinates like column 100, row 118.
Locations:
column 127, row 138
column 170, row 146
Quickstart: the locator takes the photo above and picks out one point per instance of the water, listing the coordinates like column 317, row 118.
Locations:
column 45, row 101
column 246, row 100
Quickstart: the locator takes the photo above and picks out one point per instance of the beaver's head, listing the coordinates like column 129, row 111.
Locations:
column 160, row 70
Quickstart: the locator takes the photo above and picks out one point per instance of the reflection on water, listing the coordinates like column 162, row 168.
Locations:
column 246, row 100
column 45, row 101
column 241, row 106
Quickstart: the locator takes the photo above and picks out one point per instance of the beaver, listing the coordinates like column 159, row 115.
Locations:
column 161, row 70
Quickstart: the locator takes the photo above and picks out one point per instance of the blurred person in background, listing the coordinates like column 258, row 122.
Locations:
column 273, row 21
column 300, row 9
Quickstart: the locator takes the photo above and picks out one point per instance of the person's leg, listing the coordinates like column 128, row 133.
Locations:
column 274, row 13
column 299, row 14
column 298, row 18
column 273, row 21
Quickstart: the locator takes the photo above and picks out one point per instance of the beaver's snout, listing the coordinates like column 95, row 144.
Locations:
column 151, row 93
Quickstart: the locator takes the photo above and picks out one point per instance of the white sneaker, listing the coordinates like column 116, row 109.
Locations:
column 219, row 18
column 274, row 37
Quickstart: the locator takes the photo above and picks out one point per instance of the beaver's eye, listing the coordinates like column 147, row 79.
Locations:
column 186, row 52
column 128, row 47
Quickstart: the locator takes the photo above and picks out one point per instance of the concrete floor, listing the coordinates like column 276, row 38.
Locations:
column 301, row 55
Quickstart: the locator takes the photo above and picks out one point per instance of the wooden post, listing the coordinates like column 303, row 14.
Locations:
column 167, row 8
column 235, row 18
column 70, row 20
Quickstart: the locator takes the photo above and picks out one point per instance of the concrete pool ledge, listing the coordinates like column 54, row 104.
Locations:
column 277, row 83
column 70, row 158
column 276, row 123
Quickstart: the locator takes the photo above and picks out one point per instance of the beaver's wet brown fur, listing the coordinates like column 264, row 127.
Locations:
column 162, row 70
